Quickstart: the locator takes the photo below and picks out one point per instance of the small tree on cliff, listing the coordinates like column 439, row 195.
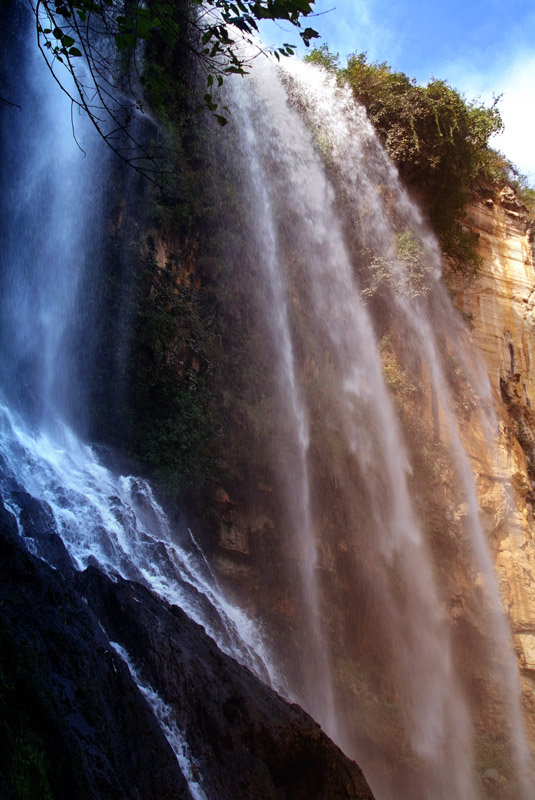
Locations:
column 438, row 140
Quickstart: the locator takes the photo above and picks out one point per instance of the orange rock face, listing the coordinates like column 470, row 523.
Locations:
column 500, row 303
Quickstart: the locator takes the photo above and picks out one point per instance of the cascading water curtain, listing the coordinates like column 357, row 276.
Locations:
column 346, row 291
column 54, row 196
column 376, row 530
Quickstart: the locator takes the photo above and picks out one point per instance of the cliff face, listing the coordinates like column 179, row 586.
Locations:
column 250, row 517
column 500, row 304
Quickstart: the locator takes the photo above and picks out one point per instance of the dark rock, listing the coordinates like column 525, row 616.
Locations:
column 73, row 723
column 86, row 728
column 37, row 522
column 35, row 517
column 247, row 741
column 170, row 196
column 112, row 458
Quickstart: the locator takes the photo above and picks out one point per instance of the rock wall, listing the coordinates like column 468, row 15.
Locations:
column 500, row 305
column 248, row 538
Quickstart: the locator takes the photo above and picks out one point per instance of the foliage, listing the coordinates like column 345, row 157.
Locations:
column 98, row 42
column 192, row 377
column 32, row 760
column 493, row 754
column 322, row 57
column 427, row 130
column 173, row 417
column 438, row 140
column 405, row 270
column 395, row 376
column 503, row 172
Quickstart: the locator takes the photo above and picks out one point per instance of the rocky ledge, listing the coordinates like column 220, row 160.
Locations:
column 74, row 722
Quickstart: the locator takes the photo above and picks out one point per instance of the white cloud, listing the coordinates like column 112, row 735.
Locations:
column 512, row 77
column 517, row 108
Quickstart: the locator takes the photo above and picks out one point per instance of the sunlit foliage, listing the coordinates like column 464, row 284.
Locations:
column 438, row 140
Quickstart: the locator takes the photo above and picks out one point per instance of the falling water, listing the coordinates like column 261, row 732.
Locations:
column 49, row 237
column 325, row 208
column 296, row 486
column 53, row 197
column 165, row 717
column 115, row 522
column 361, row 167
column 374, row 655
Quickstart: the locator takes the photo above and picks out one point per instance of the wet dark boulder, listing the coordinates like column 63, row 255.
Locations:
column 74, row 723
column 246, row 740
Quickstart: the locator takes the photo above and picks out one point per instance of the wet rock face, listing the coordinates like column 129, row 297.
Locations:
column 246, row 740
column 501, row 305
column 89, row 731
column 72, row 722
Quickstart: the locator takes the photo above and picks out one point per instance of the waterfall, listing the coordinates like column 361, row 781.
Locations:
column 51, row 196
column 296, row 483
column 328, row 221
column 53, row 218
column 165, row 717
column 375, row 503
column 362, row 167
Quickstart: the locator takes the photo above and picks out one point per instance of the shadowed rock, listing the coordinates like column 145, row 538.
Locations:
column 74, row 723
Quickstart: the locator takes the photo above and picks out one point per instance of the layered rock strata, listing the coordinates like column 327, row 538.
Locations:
column 500, row 306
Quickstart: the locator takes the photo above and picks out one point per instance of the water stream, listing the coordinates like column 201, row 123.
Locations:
column 329, row 219
column 53, row 217
column 324, row 215
column 168, row 723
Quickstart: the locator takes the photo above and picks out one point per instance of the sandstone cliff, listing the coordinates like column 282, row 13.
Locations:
column 500, row 304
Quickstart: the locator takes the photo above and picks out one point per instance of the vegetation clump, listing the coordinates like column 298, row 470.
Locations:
column 99, row 46
column 33, row 763
column 439, row 141
column 172, row 407
column 406, row 269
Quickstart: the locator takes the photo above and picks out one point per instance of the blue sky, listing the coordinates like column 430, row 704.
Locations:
column 481, row 47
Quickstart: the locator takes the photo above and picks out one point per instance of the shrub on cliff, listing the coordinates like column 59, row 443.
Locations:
column 438, row 140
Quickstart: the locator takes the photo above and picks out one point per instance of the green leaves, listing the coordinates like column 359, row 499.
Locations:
column 308, row 34
column 208, row 30
column 209, row 102
column 439, row 141
column 64, row 43
column 323, row 57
